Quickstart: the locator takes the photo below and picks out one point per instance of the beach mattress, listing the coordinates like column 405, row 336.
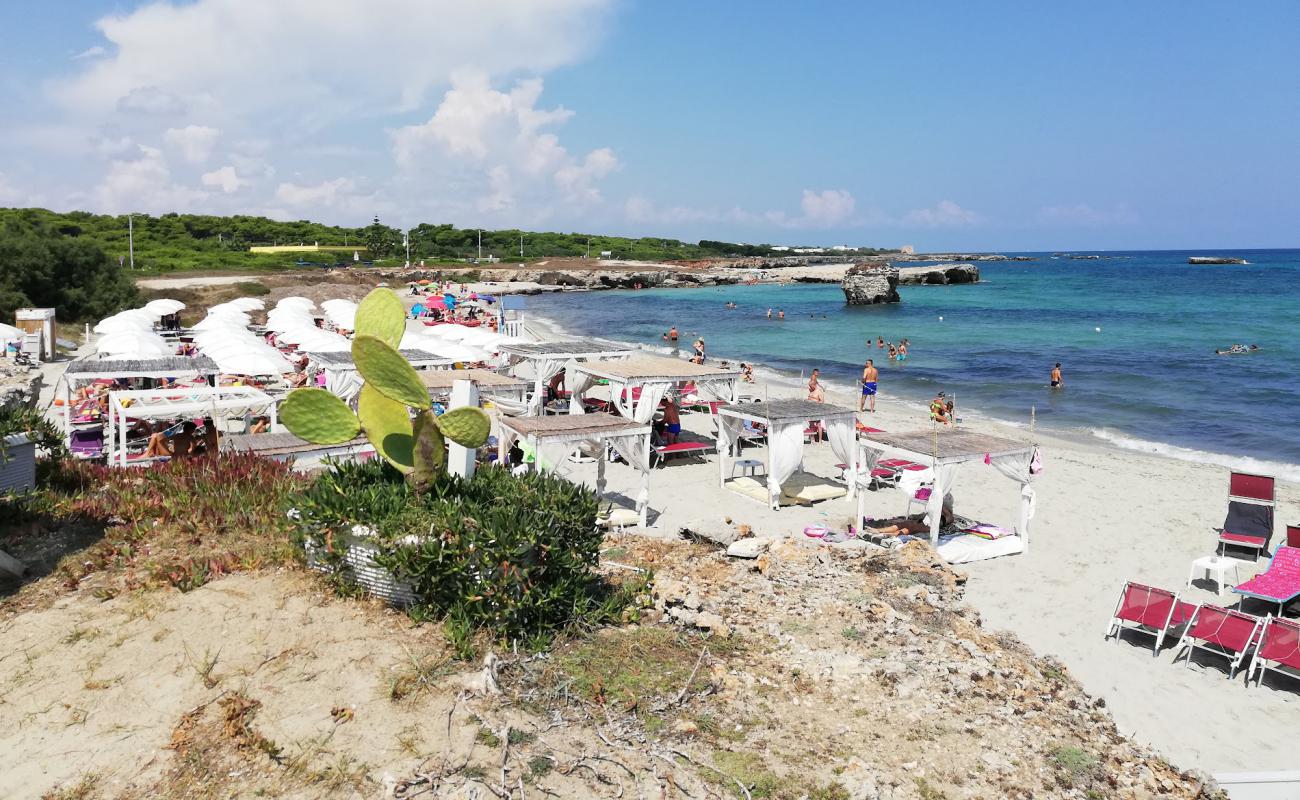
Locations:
column 965, row 548
column 757, row 490
column 806, row 488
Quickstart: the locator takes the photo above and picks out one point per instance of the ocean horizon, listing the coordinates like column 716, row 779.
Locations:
column 1135, row 332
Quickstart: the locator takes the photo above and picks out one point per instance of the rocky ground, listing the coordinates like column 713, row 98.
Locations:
column 804, row 672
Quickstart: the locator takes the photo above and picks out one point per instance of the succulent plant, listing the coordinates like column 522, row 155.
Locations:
column 391, row 392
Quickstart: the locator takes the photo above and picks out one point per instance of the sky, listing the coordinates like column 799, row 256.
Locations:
column 945, row 125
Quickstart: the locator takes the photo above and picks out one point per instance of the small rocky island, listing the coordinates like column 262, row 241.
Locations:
column 869, row 284
column 1216, row 260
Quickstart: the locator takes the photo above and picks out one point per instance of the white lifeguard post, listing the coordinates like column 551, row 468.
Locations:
column 39, row 321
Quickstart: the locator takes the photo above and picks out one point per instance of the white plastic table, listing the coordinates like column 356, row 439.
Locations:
column 1215, row 567
column 747, row 466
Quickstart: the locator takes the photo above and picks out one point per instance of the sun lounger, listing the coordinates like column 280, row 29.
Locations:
column 1223, row 632
column 1293, row 536
column 1249, row 524
column 1148, row 610
column 87, row 443
column 682, row 449
column 1279, row 649
column 1280, row 583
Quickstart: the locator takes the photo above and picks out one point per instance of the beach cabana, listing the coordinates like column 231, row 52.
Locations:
column 222, row 402
column 944, row 451
column 786, row 421
column 343, row 380
column 554, row 438
column 505, row 391
column 547, row 359
column 637, row 384
column 79, row 373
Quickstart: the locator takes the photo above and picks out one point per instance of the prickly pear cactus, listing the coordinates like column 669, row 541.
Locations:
column 393, row 390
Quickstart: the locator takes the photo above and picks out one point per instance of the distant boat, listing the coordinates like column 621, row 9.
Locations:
column 1216, row 260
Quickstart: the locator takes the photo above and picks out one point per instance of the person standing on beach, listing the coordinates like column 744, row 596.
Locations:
column 869, row 376
column 1057, row 381
column 672, row 421
column 699, row 349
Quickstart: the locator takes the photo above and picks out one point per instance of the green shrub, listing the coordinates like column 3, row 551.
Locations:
column 513, row 556
column 252, row 288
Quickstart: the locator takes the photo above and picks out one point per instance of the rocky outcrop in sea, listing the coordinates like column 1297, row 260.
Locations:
column 939, row 274
column 870, row 284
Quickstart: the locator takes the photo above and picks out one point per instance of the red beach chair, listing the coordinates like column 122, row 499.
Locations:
column 1279, row 649
column 1280, row 583
column 1148, row 610
column 1293, row 536
column 1223, row 632
column 1249, row 523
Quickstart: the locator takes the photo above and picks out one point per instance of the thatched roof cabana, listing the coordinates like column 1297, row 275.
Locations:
column 548, row 359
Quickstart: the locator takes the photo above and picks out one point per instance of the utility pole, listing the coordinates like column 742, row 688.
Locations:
column 406, row 238
column 588, row 247
column 480, row 245
column 521, row 247
column 130, row 238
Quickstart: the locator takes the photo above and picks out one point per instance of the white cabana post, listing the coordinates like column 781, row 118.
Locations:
column 554, row 438
column 504, row 391
column 786, row 421
column 223, row 402
column 944, row 451
column 653, row 376
column 547, row 359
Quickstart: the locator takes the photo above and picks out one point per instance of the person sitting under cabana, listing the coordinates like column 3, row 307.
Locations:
column 180, row 444
column 916, row 524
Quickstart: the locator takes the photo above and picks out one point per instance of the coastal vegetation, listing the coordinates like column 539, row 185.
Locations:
column 46, row 268
column 172, row 242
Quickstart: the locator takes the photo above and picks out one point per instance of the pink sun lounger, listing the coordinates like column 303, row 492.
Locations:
column 1280, row 583
column 1223, row 632
column 1249, row 523
column 1148, row 610
column 1279, row 649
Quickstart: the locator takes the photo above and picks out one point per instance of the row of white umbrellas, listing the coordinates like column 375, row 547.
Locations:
column 293, row 323
column 130, row 333
column 224, row 337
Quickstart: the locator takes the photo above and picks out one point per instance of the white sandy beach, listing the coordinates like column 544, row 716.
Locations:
column 1104, row 515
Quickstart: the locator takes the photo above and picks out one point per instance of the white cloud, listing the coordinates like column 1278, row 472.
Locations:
column 194, row 142
column 150, row 100
column 498, row 141
column 142, row 184
column 827, row 208
column 946, row 214
column 9, row 194
column 338, row 55
column 326, row 193
column 1085, row 216
column 226, row 179
column 642, row 210
column 90, row 52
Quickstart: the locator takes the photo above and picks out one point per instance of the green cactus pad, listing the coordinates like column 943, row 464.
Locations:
column 382, row 315
column 467, row 426
column 387, row 424
column 318, row 416
column 386, row 370
column 430, row 452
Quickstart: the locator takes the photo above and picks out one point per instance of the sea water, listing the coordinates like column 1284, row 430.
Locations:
column 1135, row 333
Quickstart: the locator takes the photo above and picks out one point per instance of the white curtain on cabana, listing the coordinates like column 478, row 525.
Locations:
column 543, row 370
column 1016, row 466
column 784, row 455
column 344, row 384
column 724, row 390
column 635, row 451
column 945, row 477
column 578, row 384
column 507, row 406
column 843, row 437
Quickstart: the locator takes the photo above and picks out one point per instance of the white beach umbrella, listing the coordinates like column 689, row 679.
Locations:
column 252, row 362
column 247, row 304
column 134, row 344
column 232, row 319
column 479, row 337
column 9, row 332
column 451, row 333
column 132, row 320
column 163, row 306
column 296, row 302
column 458, row 352
column 345, row 319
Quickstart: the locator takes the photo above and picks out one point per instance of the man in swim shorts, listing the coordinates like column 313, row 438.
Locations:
column 672, row 421
column 1057, row 382
column 869, row 375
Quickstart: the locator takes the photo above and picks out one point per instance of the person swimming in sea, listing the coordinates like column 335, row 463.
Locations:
column 1057, row 381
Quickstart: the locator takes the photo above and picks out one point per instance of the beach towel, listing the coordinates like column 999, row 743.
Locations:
column 1249, row 519
column 986, row 531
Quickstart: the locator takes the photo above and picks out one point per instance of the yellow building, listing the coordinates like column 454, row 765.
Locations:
column 309, row 248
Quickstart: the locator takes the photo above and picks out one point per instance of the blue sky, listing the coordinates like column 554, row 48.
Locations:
column 1012, row 125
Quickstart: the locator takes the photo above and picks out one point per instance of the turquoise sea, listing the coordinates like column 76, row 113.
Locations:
column 1135, row 333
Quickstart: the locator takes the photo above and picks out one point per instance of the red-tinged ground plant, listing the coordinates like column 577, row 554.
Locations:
column 181, row 524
